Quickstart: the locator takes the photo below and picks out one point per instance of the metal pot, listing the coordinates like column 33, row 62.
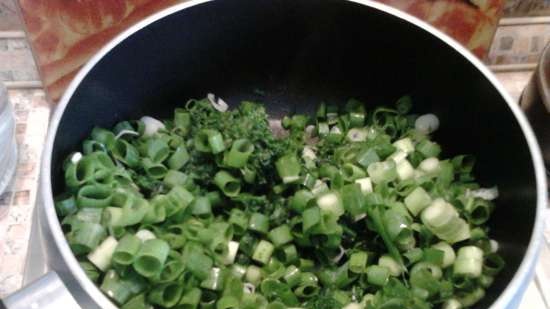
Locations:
column 299, row 52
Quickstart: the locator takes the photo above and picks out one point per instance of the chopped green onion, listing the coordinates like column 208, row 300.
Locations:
column 353, row 199
column 166, row 295
column 358, row 262
column 240, row 152
column 154, row 169
column 259, row 223
column 65, row 205
column 357, row 135
column 157, row 150
column 430, row 166
column 417, row 200
column 367, row 156
column 404, row 170
column 288, row 167
column 85, row 236
column 179, row 158
column 443, row 220
column 190, row 299
column 94, row 196
column 137, row 302
column 280, row 235
column 471, row 298
column 239, row 220
column 452, row 304
column 228, row 184
column 300, row 200
column 253, row 274
column 382, row 172
column 262, row 253
column 392, row 265
column 331, row 202
column 405, row 145
column 102, row 254
column 213, row 209
column 449, row 255
column 126, row 250
column 377, row 275
column 428, row 148
column 469, row 262
column 215, row 279
column 115, row 288
column 199, row 264
column 151, row 257
column 209, row 140
column 174, row 178
column 352, row 172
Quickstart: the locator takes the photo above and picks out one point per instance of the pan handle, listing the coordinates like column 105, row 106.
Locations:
column 47, row 292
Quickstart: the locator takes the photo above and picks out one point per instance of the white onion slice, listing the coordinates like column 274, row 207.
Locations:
column 359, row 217
column 427, row 123
column 340, row 255
column 249, row 288
column 144, row 235
column 308, row 153
column 487, row 194
column 353, row 306
column 494, row 245
column 232, row 248
column 125, row 132
column 152, row 125
column 102, row 254
column 76, row 157
column 218, row 104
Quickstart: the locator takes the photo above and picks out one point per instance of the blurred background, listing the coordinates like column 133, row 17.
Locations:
column 43, row 43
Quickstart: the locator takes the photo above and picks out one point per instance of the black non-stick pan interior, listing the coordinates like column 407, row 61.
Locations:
column 298, row 53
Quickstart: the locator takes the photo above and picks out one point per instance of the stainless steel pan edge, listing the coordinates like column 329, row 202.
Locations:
column 508, row 299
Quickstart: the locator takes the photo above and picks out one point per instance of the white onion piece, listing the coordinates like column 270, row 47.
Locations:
column 218, row 104
column 429, row 165
column 338, row 257
column 427, row 123
column 494, row 245
column 212, row 98
column 249, row 288
column 357, row 135
column 335, row 130
column 418, row 174
column 144, row 235
column 77, row 156
column 365, row 184
column 232, row 248
column 451, row 304
column 359, row 217
column 310, row 129
column 353, row 306
column 398, row 156
column 152, row 125
column 308, row 153
column 102, row 254
column 124, row 132
column 487, row 194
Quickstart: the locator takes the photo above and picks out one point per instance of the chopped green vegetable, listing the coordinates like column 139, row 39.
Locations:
column 349, row 209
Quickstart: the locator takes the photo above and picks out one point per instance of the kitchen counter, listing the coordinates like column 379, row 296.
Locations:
column 17, row 203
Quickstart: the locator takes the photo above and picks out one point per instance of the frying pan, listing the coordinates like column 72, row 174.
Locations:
column 299, row 53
